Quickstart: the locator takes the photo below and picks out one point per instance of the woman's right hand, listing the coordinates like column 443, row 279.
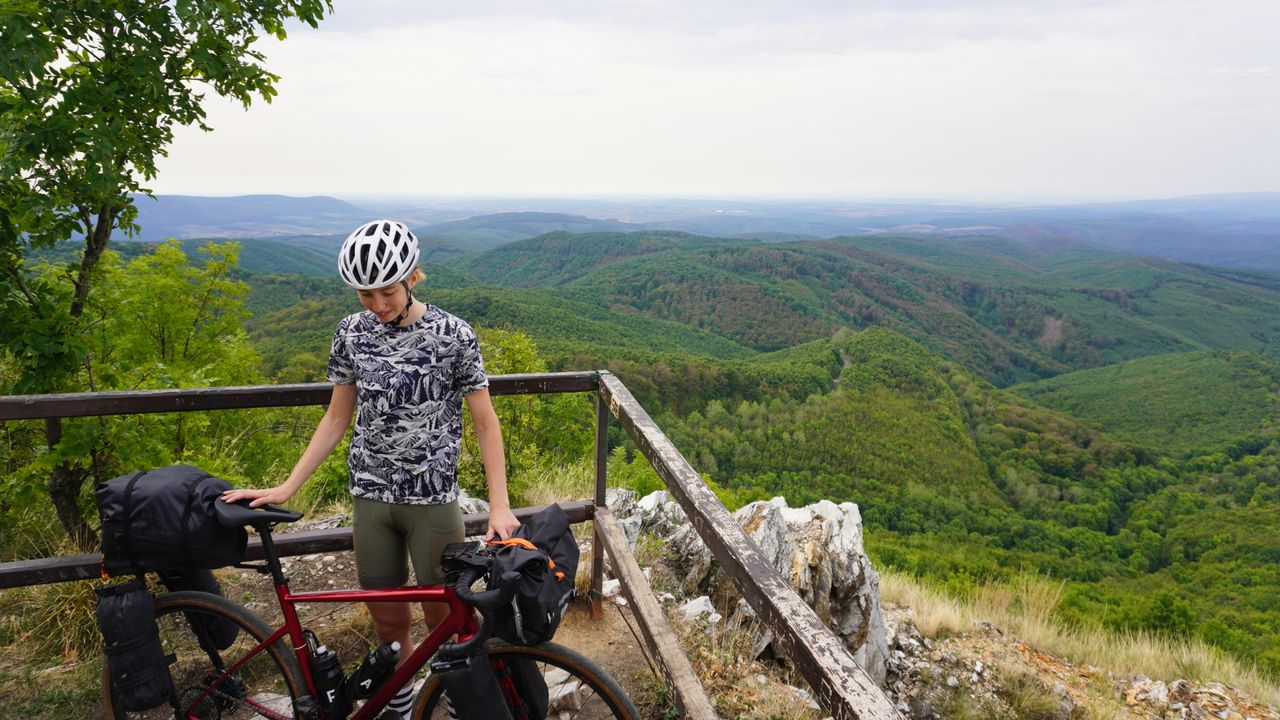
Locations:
column 257, row 497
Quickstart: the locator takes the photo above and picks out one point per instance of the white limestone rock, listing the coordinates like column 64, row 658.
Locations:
column 819, row 550
column 470, row 505
column 659, row 514
column 701, row 608
column 621, row 501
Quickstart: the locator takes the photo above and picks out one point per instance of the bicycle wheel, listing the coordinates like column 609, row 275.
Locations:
column 262, row 688
column 577, row 688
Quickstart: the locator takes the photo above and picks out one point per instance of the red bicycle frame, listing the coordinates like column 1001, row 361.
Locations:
column 460, row 621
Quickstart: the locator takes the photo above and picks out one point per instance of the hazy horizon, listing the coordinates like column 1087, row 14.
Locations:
column 992, row 101
column 353, row 197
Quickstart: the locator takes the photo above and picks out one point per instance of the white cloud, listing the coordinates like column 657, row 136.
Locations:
column 993, row 99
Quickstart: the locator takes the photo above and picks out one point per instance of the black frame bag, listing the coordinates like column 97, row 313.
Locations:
column 136, row 661
column 164, row 519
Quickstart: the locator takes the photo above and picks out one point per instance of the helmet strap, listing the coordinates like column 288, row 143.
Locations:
column 408, row 303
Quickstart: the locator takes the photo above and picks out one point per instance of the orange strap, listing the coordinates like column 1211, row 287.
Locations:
column 520, row 542
column 526, row 544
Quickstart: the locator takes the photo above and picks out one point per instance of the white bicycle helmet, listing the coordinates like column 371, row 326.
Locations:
column 378, row 254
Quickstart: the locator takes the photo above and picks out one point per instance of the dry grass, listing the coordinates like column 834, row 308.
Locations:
column 54, row 622
column 50, row 648
column 1025, row 607
column 741, row 686
column 559, row 484
column 50, row 622
column 1025, row 697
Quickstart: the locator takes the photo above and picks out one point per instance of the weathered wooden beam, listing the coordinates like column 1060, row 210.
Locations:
column 686, row 689
column 602, row 466
column 837, row 681
column 86, row 567
column 133, row 402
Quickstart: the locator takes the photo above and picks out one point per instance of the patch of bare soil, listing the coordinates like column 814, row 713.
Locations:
column 1051, row 336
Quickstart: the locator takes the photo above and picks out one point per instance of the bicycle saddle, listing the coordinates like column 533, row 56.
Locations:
column 238, row 514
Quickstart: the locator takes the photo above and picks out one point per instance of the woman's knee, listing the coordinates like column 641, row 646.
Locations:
column 434, row 613
column 390, row 618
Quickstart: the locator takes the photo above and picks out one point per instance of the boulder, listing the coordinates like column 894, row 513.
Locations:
column 818, row 548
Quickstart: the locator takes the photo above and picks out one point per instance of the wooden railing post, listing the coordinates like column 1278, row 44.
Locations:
column 819, row 656
column 597, row 543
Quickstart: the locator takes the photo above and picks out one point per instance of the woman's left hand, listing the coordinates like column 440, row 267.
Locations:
column 502, row 522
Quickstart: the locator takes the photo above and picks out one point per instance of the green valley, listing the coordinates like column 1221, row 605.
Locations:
column 992, row 406
column 1011, row 312
column 1174, row 402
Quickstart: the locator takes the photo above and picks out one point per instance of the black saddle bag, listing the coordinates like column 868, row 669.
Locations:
column 136, row 661
column 164, row 519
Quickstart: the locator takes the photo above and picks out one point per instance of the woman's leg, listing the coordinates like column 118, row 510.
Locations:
column 428, row 529
column 381, row 563
column 391, row 622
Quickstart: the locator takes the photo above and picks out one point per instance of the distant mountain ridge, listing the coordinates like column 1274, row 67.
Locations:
column 1012, row 311
column 1234, row 230
column 489, row 231
column 244, row 216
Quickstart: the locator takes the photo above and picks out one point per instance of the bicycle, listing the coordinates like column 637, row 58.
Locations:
column 267, row 672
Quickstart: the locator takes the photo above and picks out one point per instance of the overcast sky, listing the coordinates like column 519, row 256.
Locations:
column 1019, row 100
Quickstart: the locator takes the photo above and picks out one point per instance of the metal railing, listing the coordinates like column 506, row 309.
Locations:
column 842, row 687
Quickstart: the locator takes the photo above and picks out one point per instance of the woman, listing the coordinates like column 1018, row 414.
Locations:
column 403, row 367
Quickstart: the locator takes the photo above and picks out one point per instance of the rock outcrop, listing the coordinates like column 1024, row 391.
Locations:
column 818, row 548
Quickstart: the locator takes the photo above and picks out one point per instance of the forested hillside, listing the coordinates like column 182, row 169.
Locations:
column 1179, row 401
column 963, row 482
column 867, row 370
column 957, row 479
column 1011, row 312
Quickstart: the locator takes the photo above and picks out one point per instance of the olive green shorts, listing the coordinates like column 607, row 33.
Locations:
column 383, row 533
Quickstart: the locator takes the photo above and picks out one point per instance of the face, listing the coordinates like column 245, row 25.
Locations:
column 385, row 302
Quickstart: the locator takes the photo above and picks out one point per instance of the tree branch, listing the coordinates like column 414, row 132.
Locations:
column 197, row 322
column 95, row 244
column 21, row 282
column 87, row 218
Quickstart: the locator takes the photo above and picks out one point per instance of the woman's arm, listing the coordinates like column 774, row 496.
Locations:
column 328, row 433
column 501, row 521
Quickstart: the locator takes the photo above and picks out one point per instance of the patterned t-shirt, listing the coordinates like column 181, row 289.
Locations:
column 409, row 384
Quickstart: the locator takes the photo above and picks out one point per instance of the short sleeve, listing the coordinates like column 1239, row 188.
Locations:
column 468, row 375
column 342, row 367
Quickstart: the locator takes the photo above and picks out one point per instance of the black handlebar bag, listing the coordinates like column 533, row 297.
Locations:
column 164, row 519
column 542, row 556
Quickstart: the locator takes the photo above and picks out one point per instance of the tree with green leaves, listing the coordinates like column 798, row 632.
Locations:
column 90, row 94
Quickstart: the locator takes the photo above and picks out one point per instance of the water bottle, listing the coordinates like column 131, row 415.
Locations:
column 374, row 670
column 327, row 673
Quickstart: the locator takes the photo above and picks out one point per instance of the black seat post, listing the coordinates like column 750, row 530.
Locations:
column 269, row 551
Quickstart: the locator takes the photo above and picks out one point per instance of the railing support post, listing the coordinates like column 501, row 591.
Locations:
column 597, row 542
column 818, row 655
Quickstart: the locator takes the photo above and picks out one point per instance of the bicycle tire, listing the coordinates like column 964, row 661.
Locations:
column 271, row 679
column 597, row 696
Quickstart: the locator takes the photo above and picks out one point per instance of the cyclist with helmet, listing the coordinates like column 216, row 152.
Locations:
column 402, row 367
